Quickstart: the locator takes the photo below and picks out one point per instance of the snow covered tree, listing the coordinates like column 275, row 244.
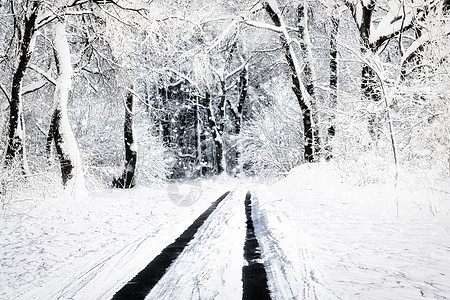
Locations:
column 379, row 22
column 25, row 22
column 302, row 93
column 60, row 129
column 268, row 143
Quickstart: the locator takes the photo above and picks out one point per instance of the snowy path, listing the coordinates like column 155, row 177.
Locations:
column 254, row 276
column 142, row 283
column 211, row 265
column 88, row 251
column 317, row 240
column 319, row 248
column 198, row 265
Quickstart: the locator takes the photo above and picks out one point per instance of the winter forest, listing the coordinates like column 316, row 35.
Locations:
column 121, row 116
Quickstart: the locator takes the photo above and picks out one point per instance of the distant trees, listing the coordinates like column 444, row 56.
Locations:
column 335, row 15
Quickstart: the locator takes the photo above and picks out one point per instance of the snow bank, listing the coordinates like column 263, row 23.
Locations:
column 324, row 239
column 308, row 176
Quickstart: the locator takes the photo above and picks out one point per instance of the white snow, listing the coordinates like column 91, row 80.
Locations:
column 216, row 258
column 133, row 147
column 320, row 238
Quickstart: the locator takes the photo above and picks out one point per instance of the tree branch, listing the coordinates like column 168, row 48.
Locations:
column 4, row 92
column 46, row 75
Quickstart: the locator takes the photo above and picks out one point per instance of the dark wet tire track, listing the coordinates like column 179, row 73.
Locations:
column 254, row 276
column 140, row 286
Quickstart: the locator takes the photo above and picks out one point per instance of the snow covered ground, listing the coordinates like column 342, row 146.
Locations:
column 58, row 249
column 320, row 239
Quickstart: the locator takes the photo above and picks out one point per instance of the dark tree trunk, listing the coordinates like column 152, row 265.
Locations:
column 308, row 76
column 127, row 180
column 296, row 87
column 204, row 156
column 165, row 119
column 215, row 132
column 16, row 134
column 243, row 88
column 48, row 145
column 220, row 123
column 237, row 113
column 333, row 100
column 370, row 85
column 199, row 138
column 57, row 135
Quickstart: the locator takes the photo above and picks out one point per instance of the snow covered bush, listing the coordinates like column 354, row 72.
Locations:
column 99, row 131
column 154, row 161
column 271, row 143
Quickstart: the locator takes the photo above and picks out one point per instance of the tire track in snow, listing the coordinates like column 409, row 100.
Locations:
column 254, row 276
column 144, row 281
column 210, row 267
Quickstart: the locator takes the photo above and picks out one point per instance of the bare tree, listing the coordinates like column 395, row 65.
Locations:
column 25, row 24
column 301, row 93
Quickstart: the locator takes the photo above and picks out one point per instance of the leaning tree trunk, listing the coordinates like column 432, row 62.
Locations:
column 297, row 86
column 127, row 180
column 60, row 129
column 16, row 130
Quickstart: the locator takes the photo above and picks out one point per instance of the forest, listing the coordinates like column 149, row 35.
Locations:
column 254, row 149
column 116, row 93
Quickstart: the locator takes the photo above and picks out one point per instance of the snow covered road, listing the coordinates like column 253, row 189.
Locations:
column 318, row 239
column 141, row 284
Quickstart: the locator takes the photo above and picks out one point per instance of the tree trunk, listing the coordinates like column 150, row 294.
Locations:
column 127, row 180
column 243, row 88
column 16, row 131
column 238, row 112
column 199, row 139
column 205, row 159
column 165, row 118
column 305, row 46
column 370, row 86
column 296, row 84
column 60, row 130
column 333, row 100
column 215, row 132
column 369, row 82
column 221, row 125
